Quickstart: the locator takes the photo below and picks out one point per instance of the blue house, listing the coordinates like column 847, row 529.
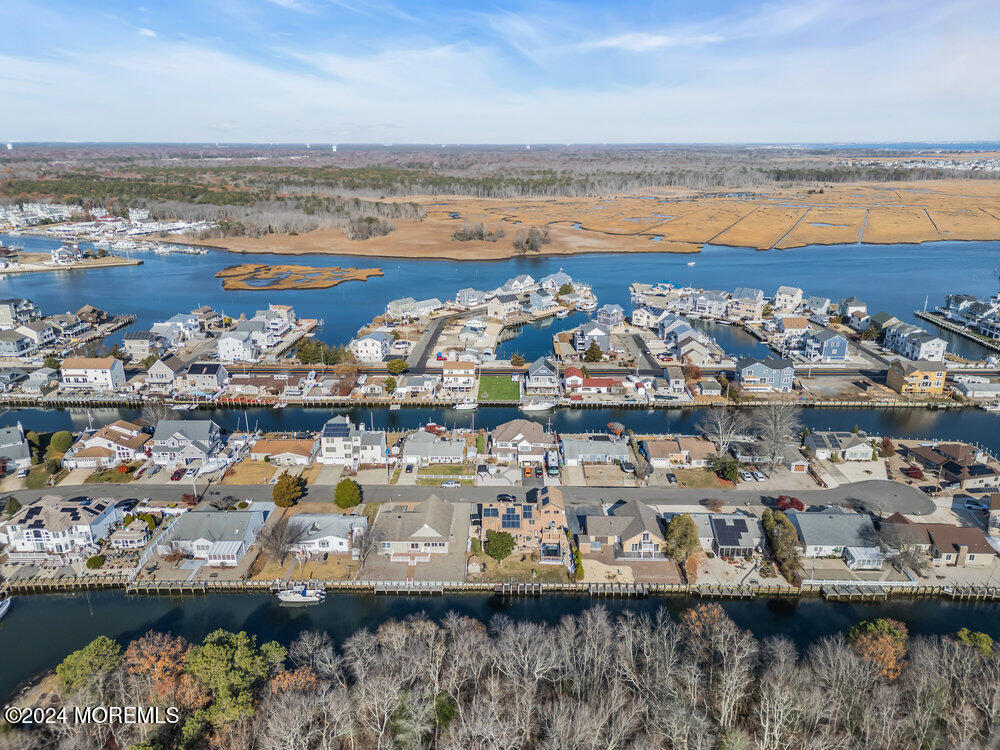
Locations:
column 764, row 375
column 825, row 346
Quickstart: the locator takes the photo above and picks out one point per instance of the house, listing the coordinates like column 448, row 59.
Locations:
column 539, row 303
column 573, row 378
column 176, row 330
column 536, row 526
column 969, row 474
column 520, row 441
column 611, row 316
column 816, row 305
column 93, row 316
column 944, row 544
column 859, row 321
column 920, row 378
column 594, row 449
column 182, row 442
column 141, row 344
column 67, row 326
column 503, row 306
column 647, row 317
column 631, row 530
column 881, row 320
column 851, row 305
column 787, row 298
column 205, row 377
column 219, row 537
column 925, row 346
column 15, row 453
column 709, row 304
column 470, row 297
column 164, row 372
column 825, row 346
column 748, row 293
column 422, row 448
column 589, row 333
column 284, row 452
column 322, row 533
column 10, row 377
column 745, row 308
column 678, row 452
column 237, row 346
column 66, row 254
column 17, row 311
column 555, row 281
column 764, row 375
column 131, row 537
column 98, row 373
column 13, row 343
column 709, row 387
column 848, row 535
column 842, row 445
column 518, row 285
column 736, row 534
column 343, row 444
column 41, row 332
column 414, row 385
column 542, row 377
column 40, row 381
column 459, row 376
column 792, row 328
column 413, row 534
column 372, row 347
column 993, row 515
column 54, row 531
column 115, row 443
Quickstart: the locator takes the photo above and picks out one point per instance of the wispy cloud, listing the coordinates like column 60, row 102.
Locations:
column 643, row 42
column 147, row 32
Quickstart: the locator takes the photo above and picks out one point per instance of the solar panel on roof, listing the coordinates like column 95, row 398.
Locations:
column 338, row 429
column 491, row 513
column 729, row 531
column 526, row 511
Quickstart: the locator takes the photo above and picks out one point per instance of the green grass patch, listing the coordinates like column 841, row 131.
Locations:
column 424, row 482
column 38, row 477
column 446, row 470
column 499, row 388
column 108, row 476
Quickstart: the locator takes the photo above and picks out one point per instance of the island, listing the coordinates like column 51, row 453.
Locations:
column 259, row 276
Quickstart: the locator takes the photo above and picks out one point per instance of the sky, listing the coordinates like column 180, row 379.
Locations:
column 482, row 71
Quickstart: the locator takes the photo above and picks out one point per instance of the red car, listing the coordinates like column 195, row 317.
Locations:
column 176, row 475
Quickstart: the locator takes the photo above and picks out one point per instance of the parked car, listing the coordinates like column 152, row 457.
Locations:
column 759, row 476
column 178, row 473
column 409, row 468
column 504, row 497
column 672, row 478
column 745, row 476
column 451, row 483
column 976, row 505
column 527, row 472
column 191, row 473
column 628, row 467
column 22, row 473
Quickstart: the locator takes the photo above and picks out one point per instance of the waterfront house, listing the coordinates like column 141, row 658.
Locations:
column 17, row 311
column 284, row 451
column 141, row 344
column 793, row 329
column 945, row 544
column 115, row 443
column 372, row 347
column 765, row 375
column 848, row 535
column 40, row 381
column 969, row 475
column 748, row 293
column 163, row 373
column 176, row 329
column 709, row 387
column 977, row 389
column 470, row 297
column 925, row 346
column 183, row 442
column 11, row 377
column 459, row 376
column 825, row 346
column 610, row 316
column 709, row 304
column 542, row 377
column 787, row 298
column 68, row 327
column 745, row 308
column 237, row 346
column 882, row 319
column 53, row 531
column 539, row 303
column 417, row 385
column 573, row 378
column 859, row 321
column 921, row 378
column 678, row 452
column 520, row 284
column 15, row 454
column 503, row 306
column 409, row 308
column 97, row 373
column 413, row 533
column 594, row 449
column 131, row 537
column 537, row 525
column 423, row 448
column 41, row 332
column 647, row 317
column 842, row 445
column 341, row 443
column 13, row 343
column 204, row 378
column 632, row 530
column 555, row 281
column 850, row 305
column 94, row 316
column 692, row 350
column 323, row 533
column 589, row 333
column 520, row 441
column 816, row 305
column 736, row 534
column 219, row 537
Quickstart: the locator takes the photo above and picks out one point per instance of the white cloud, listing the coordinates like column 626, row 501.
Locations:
column 147, row 32
column 643, row 42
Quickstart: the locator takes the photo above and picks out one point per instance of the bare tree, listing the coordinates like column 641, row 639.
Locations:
column 154, row 412
column 368, row 541
column 723, row 427
column 281, row 538
column 774, row 426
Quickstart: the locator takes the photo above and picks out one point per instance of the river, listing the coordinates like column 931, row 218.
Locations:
column 894, row 278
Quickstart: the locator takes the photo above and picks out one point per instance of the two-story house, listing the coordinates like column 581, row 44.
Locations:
column 765, row 375
column 520, row 441
column 343, row 444
column 97, row 373
column 183, row 442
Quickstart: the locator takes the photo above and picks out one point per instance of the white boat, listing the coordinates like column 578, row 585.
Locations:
column 691, row 263
column 4, row 606
column 562, row 313
column 466, row 406
column 995, row 406
column 538, row 405
column 302, row 595
column 588, row 306
column 394, row 407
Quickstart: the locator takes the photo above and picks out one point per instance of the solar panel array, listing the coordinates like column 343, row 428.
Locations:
column 729, row 531
column 510, row 519
column 336, row 429
column 527, row 511
column 491, row 513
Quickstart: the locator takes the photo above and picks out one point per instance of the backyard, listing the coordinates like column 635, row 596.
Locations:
column 521, row 566
column 499, row 388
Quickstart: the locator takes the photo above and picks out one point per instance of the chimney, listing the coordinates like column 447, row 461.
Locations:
column 963, row 554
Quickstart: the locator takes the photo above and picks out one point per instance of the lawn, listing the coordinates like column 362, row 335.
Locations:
column 424, row 482
column 444, row 470
column 250, row 472
column 521, row 566
column 499, row 388
column 337, row 567
column 38, row 477
column 111, row 476
column 700, row 479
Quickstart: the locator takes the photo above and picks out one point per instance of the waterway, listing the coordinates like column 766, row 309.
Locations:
column 40, row 630
column 894, row 278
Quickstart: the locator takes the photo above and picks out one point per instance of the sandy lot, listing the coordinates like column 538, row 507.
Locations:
column 675, row 220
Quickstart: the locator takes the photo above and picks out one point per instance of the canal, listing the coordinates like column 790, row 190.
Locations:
column 40, row 630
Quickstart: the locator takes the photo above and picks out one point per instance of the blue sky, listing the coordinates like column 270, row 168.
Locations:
column 443, row 71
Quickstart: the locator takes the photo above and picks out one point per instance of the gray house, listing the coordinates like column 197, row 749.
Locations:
column 765, row 375
column 542, row 377
column 825, row 346
column 182, row 442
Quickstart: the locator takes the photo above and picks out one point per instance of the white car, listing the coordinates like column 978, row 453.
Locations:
column 975, row 505
column 451, row 483
column 759, row 476
column 745, row 476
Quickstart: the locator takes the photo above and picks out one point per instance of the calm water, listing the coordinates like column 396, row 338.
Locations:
column 894, row 278
column 39, row 631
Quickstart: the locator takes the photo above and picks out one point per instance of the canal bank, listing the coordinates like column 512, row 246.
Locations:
column 39, row 631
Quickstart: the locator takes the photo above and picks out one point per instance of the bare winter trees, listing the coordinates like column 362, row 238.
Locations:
column 774, row 427
column 723, row 427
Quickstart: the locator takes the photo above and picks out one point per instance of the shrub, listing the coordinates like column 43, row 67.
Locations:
column 347, row 494
column 95, row 562
column 499, row 544
column 61, row 441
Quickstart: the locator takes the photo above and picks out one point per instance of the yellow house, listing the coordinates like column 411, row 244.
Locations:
column 919, row 378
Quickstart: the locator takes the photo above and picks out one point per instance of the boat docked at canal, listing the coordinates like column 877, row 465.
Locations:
column 301, row 595
column 466, row 406
column 538, row 405
column 5, row 606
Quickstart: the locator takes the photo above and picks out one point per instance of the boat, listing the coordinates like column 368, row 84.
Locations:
column 5, row 605
column 394, row 407
column 466, row 405
column 691, row 263
column 562, row 313
column 588, row 306
column 995, row 406
column 538, row 405
column 302, row 595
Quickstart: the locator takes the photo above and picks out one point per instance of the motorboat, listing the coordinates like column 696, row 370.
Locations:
column 5, row 605
column 589, row 306
column 466, row 406
column 302, row 595
column 538, row 406
column 562, row 313
column 691, row 263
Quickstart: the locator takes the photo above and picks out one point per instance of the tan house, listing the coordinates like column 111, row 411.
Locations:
column 536, row 526
column 412, row 533
column 679, row 452
column 284, row 452
column 945, row 544
column 109, row 446
column 520, row 441
column 920, row 378
column 631, row 529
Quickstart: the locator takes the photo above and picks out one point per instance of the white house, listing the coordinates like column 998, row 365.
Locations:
column 181, row 442
column 787, row 298
column 109, row 446
column 326, row 532
column 459, row 376
column 343, row 444
column 218, row 537
column 372, row 347
column 99, row 373
column 14, row 450
column 54, row 531
column 238, row 346
column 424, row 448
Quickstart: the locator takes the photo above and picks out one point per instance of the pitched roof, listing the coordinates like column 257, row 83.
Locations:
column 87, row 363
column 429, row 520
column 626, row 520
